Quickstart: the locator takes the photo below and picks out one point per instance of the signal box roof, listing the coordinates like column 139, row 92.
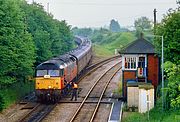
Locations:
column 139, row 46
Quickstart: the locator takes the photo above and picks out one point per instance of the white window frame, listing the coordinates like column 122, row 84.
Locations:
column 143, row 55
column 131, row 58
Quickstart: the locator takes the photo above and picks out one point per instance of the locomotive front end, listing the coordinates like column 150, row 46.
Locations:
column 49, row 83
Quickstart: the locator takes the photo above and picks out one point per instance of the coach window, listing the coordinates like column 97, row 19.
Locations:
column 41, row 72
column 53, row 72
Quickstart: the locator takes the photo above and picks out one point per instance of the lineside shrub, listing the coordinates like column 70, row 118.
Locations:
column 1, row 102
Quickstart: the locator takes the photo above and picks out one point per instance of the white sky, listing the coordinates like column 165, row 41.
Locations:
column 97, row 13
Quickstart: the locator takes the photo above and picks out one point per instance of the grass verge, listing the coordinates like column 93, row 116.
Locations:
column 155, row 115
column 14, row 93
column 116, row 41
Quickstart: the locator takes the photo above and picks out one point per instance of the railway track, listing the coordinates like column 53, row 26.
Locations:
column 102, row 62
column 96, row 65
column 38, row 113
column 88, row 111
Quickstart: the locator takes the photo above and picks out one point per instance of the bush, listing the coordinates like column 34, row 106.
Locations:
column 173, row 77
column 14, row 93
column 1, row 102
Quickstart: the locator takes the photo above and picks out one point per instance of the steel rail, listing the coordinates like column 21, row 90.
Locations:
column 29, row 113
column 38, row 116
column 102, row 61
column 46, row 113
column 79, row 108
column 99, row 101
column 96, row 66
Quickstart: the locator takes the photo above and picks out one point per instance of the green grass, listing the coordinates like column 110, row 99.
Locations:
column 102, row 51
column 155, row 115
column 13, row 93
column 123, row 39
column 118, row 91
column 111, row 42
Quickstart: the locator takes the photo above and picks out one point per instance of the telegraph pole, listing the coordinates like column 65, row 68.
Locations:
column 48, row 7
column 155, row 21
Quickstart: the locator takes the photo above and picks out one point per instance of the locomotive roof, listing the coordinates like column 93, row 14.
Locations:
column 55, row 62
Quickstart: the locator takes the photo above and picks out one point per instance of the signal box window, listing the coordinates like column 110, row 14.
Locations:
column 141, row 63
column 130, row 63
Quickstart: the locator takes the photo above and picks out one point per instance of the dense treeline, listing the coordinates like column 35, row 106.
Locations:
column 16, row 44
column 113, row 27
column 86, row 32
column 28, row 36
column 51, row 37
column 169, row 28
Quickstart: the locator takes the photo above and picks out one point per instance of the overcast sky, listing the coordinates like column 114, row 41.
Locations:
column 97, row 13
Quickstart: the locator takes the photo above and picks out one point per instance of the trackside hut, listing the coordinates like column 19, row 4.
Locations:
column 139, row 64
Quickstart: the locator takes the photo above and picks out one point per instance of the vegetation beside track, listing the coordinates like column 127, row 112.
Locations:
column 169, row 28
column 14, row 93
column 155, row 115
column 111, row 41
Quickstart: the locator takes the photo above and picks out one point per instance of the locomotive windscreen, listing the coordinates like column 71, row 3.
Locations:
column 52, row 73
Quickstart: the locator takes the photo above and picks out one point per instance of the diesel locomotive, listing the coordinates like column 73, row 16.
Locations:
column 54, row 75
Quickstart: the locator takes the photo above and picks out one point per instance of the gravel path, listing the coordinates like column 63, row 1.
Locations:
column 13, row 113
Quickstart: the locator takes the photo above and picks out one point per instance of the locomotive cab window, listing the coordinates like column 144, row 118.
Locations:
column 53, row 72
column 61, row 72
column 41, row 72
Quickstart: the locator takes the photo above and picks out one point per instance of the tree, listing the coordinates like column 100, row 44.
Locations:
column 87, row 32
column 170, row 29
column 142, row 24
column 51, row 37
column 16, row 45
column 43, row 47
column 1, row 102
column 64, row 39
column 173, row 96
column 114, row 26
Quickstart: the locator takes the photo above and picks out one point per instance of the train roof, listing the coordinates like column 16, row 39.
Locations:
column 48, row 65
column 55, row 63
column 81, row 50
